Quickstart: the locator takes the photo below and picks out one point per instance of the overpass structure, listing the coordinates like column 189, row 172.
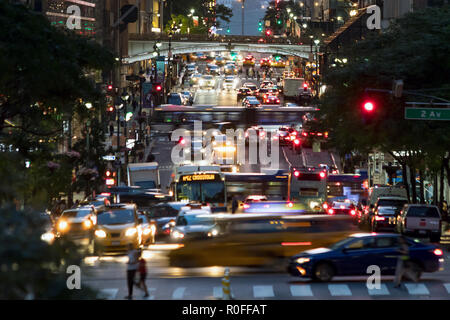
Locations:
column 142, row 47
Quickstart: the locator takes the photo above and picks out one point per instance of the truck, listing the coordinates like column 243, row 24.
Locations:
column 145, row 175
column 292, row 87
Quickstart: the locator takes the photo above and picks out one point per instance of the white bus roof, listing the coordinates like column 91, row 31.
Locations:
column 143, row 166
column 191, row 169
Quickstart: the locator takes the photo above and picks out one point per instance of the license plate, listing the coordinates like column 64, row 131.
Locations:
column 115, row 243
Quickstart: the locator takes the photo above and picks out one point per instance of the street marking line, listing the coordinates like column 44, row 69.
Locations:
column 178, row 293
column 263, row 291
column 378, row 292
column 417, row 289
column 447, row 287
column 339, row 290
column 109, row 294
column 301, row 291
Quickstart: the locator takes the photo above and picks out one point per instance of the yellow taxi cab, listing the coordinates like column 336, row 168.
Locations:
column 117, row 226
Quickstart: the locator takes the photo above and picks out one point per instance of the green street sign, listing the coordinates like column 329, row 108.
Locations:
column 427, row 113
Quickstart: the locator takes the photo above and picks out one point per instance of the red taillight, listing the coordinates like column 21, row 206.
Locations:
column 246, row 206
column 330, row 211
column 296, row 173
column 297, row 142
column 322, row 175
column 352, row 212
column 438, row 252
column 304, row 134
column 290, row 204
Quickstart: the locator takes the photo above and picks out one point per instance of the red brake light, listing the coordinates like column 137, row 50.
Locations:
column 322, row 175
column 296, row 173
column 438, row 252
column 290, row 204
column 304, row 134
column 325, row 206
column 378, row 218
column 368, row 106
column 352, row 212
column 330, row 211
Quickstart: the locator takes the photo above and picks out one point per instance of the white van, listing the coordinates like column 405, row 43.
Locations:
column 386, row 191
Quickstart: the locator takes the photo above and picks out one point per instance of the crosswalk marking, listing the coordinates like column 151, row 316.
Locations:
column 447, row 287
column 378, row 292
column 109, row 294
column 417, row 289
column 339, row 290
column 263, row 291
column 301, row 291
column 178, row 293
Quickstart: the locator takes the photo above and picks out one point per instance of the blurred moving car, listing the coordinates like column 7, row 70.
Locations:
column 195, row 79
column 422, row 219
column 353, row 255
column 252, row 87
column 77, row 224
column 117, row 226
column 249, row 61
column 194, row 224
column 266, row 84
column 252, row 104
column 48, row 227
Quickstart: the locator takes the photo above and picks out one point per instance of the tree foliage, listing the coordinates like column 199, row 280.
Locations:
column 415, row 49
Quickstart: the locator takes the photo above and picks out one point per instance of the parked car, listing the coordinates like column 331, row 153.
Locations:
column 422, row 219
column 352, row 256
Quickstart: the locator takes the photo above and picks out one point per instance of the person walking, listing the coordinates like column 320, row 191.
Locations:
column 132, row 266
column 403, row 268
column 142, row 269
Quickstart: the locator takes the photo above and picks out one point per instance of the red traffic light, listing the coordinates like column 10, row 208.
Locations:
column 369, row 106
column 110, row 87
column 268, row 32
column 296, row 173
column 322, row 174
column 158, row 87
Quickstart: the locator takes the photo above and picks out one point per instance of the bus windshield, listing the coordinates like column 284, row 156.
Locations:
column 201, row 191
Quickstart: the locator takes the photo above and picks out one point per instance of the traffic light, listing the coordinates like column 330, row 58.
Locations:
column 305, row 87
column 110, row 177
column 268, row 32
column 228, row 30
column 279, row 21
column 110, row 87
column 158, row 87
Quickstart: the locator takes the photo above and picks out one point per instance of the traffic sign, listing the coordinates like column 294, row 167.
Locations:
column 427, row 113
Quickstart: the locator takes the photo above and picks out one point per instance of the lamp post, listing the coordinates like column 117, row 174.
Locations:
column 88, row 106
column 125, row 99
column 191, row 22
column 316, row 42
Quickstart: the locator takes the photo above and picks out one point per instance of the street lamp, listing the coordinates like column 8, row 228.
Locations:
column 316, row 42
column 125, row 97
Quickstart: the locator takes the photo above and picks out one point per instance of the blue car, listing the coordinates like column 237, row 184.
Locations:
column 352, row 256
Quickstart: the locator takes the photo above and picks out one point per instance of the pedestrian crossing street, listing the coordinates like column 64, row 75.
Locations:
column 350, row 291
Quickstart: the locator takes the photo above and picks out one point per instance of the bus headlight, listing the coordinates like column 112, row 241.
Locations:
column 213, row 233
column 313, row 204
column 130, row 232
column 100, row 234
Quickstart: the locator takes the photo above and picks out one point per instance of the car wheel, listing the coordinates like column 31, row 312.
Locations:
column 323, row 272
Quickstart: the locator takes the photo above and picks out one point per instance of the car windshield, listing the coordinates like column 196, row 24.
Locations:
column 423, row 212
column 76, row 213
column 189, row 220
column 389, row 211
column 116, row 216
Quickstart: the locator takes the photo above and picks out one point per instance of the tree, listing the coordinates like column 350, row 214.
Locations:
column 414, row 48
column 44, row 81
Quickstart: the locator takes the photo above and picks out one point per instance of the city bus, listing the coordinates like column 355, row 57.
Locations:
column 308, row 188
column 347, row 186
column 204, row 184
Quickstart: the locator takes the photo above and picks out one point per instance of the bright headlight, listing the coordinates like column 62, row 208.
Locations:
column 177, row 235
column 100, row 234
column 130, row 232
column 48, row 237
column 87, row 224
column 63, row 225
column 302, row 260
